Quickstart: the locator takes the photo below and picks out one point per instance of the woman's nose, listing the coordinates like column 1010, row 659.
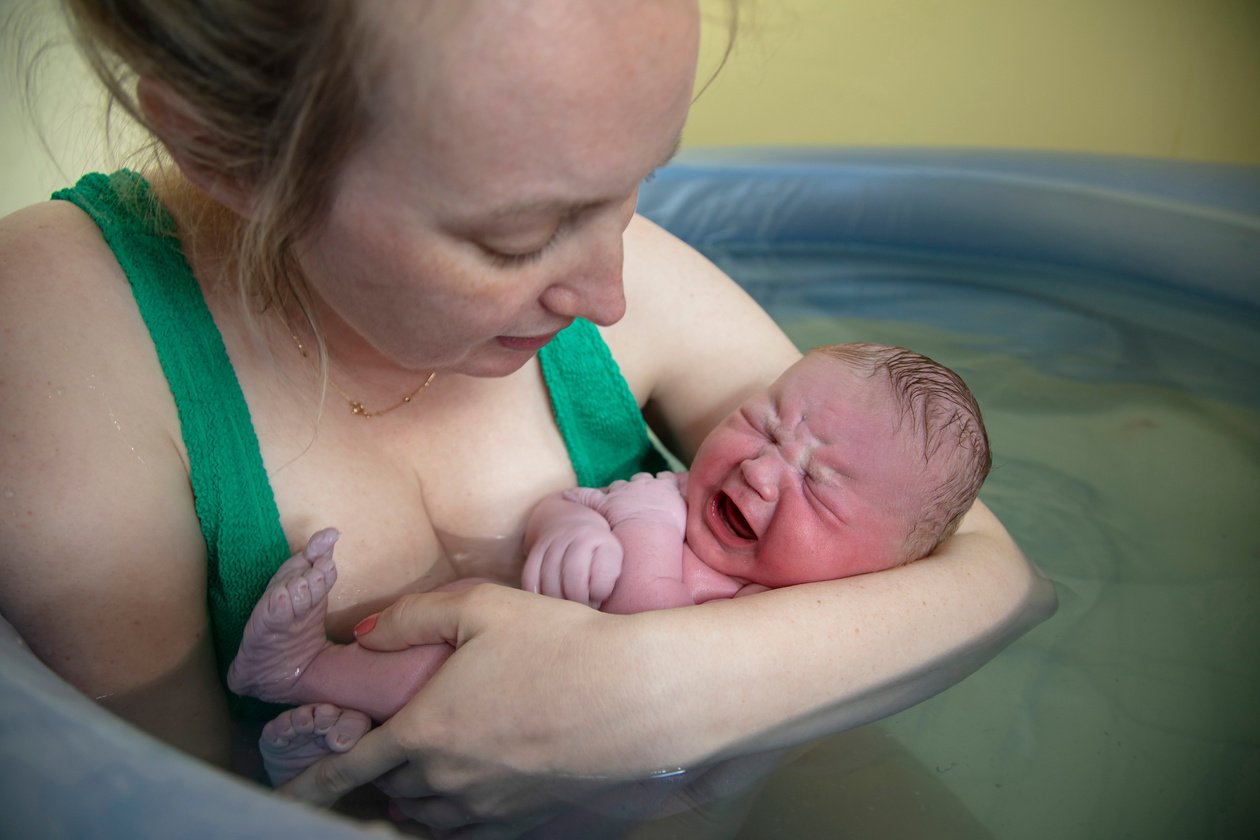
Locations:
column 592, row 288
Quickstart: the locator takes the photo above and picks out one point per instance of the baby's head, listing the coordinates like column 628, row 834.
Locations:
column 860, row 457
column 940, row 419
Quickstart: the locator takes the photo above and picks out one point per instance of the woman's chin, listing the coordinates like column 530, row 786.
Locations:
column 492, row 363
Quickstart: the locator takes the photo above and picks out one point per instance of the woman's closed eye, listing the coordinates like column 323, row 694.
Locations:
column 510, row 257
column 517, row 260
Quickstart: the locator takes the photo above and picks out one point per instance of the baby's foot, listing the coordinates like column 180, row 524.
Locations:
column 286, row 629
column 299, row 737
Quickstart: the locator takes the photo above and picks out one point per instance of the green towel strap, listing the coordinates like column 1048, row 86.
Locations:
column 234, row 501
column 598, row 417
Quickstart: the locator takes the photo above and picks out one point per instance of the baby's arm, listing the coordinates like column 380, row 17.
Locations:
column 618, row 549
column 570, row 551
column 648, row 516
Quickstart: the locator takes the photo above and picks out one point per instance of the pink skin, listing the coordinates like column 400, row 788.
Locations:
column 469, row 226
column 810, row 462
column 285, row 657
column 620, row 549
column 298, row 737
column 466, row 230
column 809, row 480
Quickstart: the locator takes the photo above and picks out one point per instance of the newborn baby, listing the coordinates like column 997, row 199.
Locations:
column 859, row 458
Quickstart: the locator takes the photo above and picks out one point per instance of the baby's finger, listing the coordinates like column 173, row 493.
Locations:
column 589, row 496
column 575, row 578
column 532, row 572
column 549, row 569
column 605, row 569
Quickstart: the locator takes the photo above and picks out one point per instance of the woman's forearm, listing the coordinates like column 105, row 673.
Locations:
column 792, row 664
column 601, row 697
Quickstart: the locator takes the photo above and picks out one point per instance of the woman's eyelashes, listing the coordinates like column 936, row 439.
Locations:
column 508, row 259
column 504, row 260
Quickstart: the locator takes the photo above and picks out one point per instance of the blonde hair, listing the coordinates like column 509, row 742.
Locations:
column 942, row 410
column 274, row 92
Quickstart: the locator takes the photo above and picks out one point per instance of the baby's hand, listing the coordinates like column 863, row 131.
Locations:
column 643, row 498
column 579, row 562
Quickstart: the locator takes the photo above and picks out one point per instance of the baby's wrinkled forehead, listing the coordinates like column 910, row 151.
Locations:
column 822, row 379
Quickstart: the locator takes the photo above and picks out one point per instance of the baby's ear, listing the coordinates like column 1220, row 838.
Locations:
column 187, row 137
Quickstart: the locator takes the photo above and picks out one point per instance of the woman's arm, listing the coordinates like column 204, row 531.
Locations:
column 628, row 695
column 103, row 564
column 693, row 344
column 625, row 696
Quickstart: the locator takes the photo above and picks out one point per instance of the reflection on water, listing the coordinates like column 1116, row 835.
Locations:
column 1125, row 424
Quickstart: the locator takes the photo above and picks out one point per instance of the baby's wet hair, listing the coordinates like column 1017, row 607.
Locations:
column 946, row 417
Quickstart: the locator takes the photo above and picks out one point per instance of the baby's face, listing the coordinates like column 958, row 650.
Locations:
column 813, row 479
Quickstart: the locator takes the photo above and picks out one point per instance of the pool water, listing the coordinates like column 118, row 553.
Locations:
column 1123, row 416
column 1125, row 426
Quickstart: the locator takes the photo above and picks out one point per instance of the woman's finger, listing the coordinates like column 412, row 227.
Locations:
column 419, row 619
column 447, row 820
column 438, row 812
column 329, row 779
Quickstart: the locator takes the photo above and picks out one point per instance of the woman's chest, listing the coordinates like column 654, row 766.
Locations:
column 419, row 500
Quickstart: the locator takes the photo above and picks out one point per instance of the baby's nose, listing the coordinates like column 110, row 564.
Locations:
column 762, row 475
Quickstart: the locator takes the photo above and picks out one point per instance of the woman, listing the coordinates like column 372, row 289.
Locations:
column 390, row 210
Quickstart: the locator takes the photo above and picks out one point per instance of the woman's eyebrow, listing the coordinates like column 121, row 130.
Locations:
column 536, row 207
column 559, row 206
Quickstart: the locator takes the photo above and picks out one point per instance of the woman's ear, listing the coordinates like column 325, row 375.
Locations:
column 179, row 130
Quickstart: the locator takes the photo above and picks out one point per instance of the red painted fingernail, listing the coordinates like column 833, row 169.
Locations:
column 365, row 626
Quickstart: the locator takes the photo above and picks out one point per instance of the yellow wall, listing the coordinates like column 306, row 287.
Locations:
column 1160, row 78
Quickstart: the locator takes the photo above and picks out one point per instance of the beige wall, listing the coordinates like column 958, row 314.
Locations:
column 1162, row 78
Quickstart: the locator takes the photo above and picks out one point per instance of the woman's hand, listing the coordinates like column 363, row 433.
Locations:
column 518, row 724
column 535, row 771
column 546, row 702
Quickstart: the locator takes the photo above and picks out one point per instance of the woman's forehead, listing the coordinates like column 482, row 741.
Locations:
column 564, row 100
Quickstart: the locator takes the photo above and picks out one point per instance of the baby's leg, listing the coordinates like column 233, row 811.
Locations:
column 299, row 737
column 285, row 632
column 376, row 682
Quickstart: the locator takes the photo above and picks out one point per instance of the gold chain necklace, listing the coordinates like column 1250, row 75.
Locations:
column 356, row 407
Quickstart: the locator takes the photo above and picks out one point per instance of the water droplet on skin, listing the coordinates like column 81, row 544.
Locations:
column 8, row 494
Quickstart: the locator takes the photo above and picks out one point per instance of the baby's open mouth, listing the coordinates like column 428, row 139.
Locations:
column 731, row 516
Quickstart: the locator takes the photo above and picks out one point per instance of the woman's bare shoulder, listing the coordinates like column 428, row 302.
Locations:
column 97, row 519
column 50, row 250
column 686, row 322
column 71, row 324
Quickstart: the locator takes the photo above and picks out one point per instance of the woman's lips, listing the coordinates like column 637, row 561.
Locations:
column 525, row 343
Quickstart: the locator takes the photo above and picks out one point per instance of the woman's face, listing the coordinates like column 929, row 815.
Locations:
column 484, row 209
